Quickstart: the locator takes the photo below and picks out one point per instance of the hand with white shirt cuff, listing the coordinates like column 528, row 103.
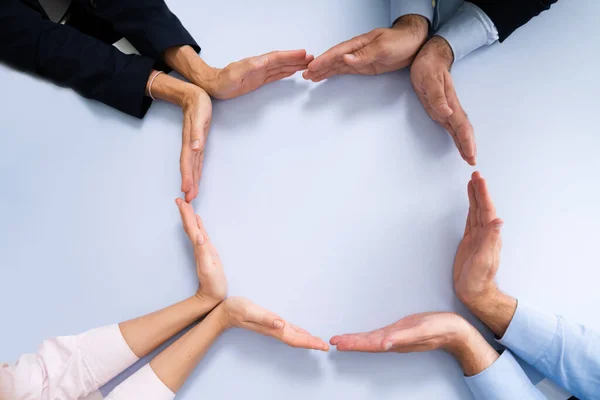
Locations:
column 430, row 77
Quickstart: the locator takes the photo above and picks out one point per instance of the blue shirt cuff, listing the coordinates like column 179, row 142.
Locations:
column 530, row 333
column 401, row 8
column 503, row 380
column 467, row 30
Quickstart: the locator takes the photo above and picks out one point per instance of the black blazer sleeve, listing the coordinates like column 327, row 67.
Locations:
column 508, row 15
column 67, row 57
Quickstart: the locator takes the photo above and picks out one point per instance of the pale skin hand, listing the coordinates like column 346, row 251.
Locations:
column 211, row 275
column 240, row 77
column 430, row 77
column 239, row 312
column 376, row 52
column 174, row 364
column 478, row 258
column 425, row 332
column 197, row 113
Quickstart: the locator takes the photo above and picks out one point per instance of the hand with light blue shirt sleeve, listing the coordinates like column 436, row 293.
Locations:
column 567, row 354
column 400, row 8
column 467, row 30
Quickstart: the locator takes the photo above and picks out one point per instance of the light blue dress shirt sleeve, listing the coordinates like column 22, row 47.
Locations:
column 567, row 354
column 503, row 380
column 400, row 8
column 467, row 30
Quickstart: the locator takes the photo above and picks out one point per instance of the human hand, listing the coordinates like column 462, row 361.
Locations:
column 425, row 332
column 238, row 312
column 381, row 50
column 211, row 276
column 197, row 115
column 478, row 258
column 430, row 77
column 244, row 76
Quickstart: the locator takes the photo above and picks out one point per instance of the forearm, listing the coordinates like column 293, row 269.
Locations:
column 146, row 333
column 174, row 364
column 495, row 310
column 167, row 88
column 472, row 351
column 189, row 64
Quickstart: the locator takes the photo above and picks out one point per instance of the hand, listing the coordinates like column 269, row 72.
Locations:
column 381, row 50
column 241, row 77
column 478, row 258
column 238, row 312
column 197, row 114
column 425, row 332
column 213, row 284
column 430, row 77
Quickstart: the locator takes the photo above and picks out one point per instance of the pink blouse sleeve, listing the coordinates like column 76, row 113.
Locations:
column 67, row 367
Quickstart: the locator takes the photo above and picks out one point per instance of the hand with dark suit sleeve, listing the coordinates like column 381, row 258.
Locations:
column 67, row 57
column 509, row 15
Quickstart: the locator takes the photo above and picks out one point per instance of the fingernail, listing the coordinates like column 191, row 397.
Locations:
column 195, row 144
column 278, row 324
column 200, row 239
column 351, row 56
column 499, row 226
column 387, row 346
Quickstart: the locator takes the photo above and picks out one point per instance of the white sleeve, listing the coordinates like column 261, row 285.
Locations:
column 144, row 384
column 67, row 367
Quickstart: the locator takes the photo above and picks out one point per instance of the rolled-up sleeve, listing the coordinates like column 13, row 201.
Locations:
column 400, row 8
column 67, row 367
column 467, row 30
column 503, row 380
column 144, row 384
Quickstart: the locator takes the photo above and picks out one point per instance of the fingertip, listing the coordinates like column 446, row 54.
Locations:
column 334, row 340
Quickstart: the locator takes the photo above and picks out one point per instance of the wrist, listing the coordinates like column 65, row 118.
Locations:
column 222, row 316
column 439, row 50
column 188, row 63
column 470, row 349
column 417, row 24
column 495, row 309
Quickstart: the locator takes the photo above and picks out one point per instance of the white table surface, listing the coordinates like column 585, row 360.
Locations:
column 338, row 205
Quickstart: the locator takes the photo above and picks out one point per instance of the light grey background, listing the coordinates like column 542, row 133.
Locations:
column 338, row 205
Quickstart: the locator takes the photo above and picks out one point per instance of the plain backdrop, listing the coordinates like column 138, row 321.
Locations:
column 338, row 205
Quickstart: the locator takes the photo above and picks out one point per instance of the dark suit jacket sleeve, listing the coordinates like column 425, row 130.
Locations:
column 67, row 57
column 508, row 15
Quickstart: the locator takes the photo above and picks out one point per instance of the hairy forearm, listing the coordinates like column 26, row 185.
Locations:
column 175, row 363
column 496, row 310
column 189, row 64
column 437, row 47
column 146, row 333
column 472, row 351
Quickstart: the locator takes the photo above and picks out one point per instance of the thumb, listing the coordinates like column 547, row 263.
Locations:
column 363, row 56
column 436, row 96
column 491, row 236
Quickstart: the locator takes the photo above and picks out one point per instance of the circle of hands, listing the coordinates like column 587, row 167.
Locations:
column 475, row 267
column 379, row 51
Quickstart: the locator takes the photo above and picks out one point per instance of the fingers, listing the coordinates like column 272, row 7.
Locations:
column 276, row 58
column 472, row 216
column 492, row 238
column 461, row 126
column 361, row 57
column 337, row 52
column 186, row 166
column 486, row 208
column 188, row 218
column 363, row 342
column 279, row 76
column 263, row 317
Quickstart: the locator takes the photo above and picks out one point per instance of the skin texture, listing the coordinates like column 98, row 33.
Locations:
column 378, row 51
column 478, row 258
column 425, row 332
column 430, row 77
column 146, row 333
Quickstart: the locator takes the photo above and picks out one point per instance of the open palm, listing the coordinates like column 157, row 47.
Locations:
column 213, row 283
column 242, row 313
column 417, row 332
column 478, row 255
